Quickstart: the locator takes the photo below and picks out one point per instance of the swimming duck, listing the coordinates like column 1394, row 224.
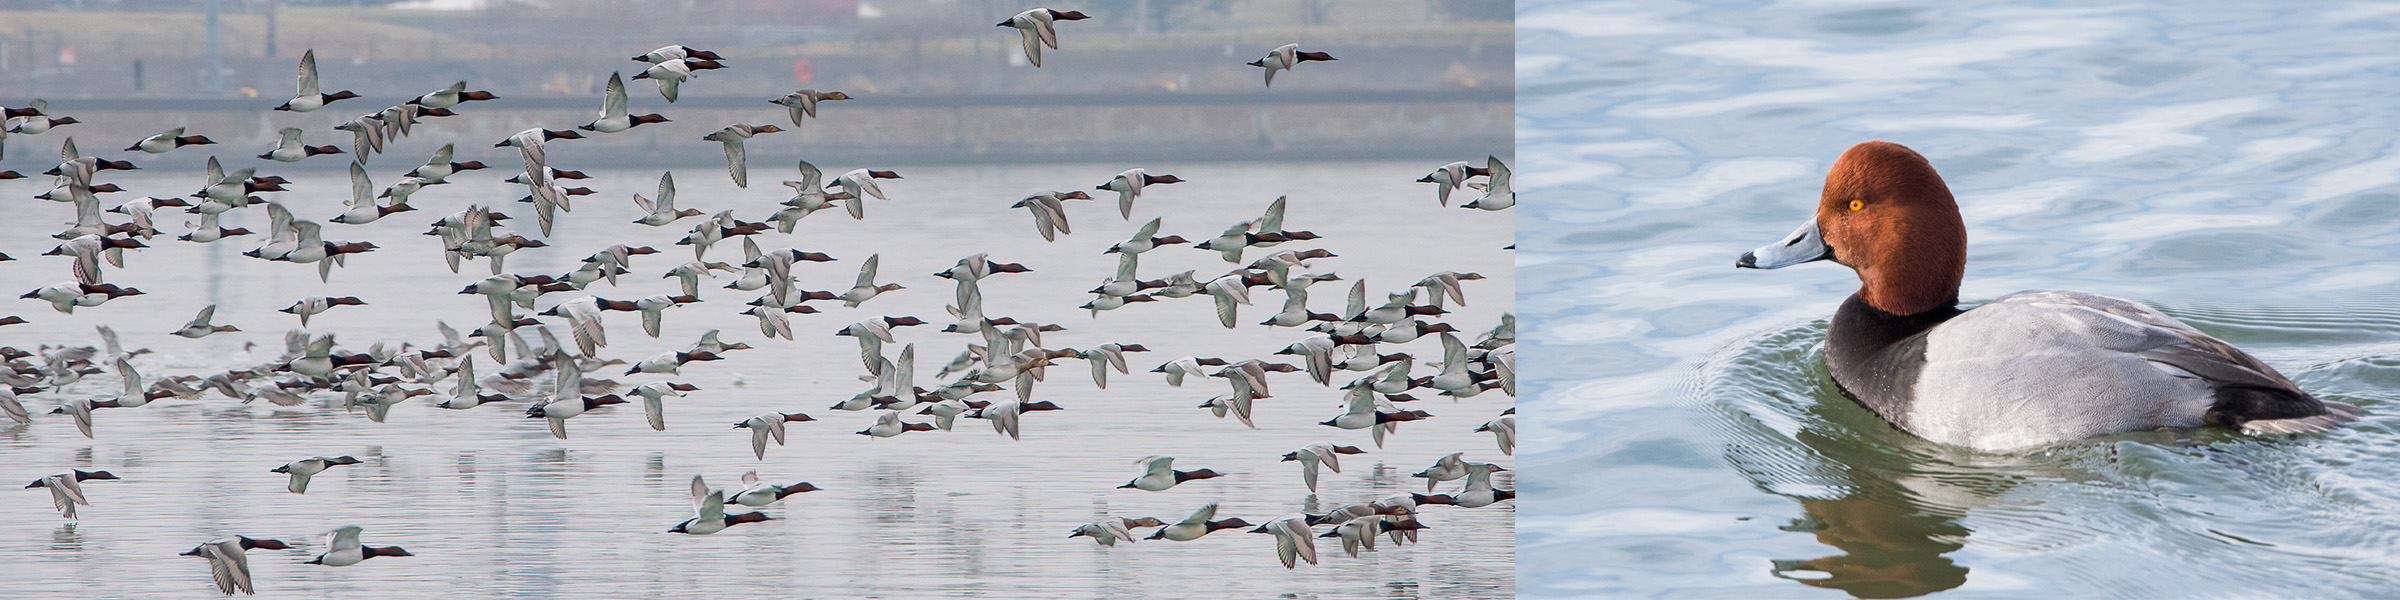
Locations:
column 169, row 140
column 308, row 99
column 613, row 114
column 1282, row 58
column 229, row 561
column 347, row 551
column 1038, row 29
column 1159, row 474
column 2025, row 369
column 305, row 468
column 732, row 137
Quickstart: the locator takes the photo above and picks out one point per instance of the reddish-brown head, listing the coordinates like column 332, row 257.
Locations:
column 1886, row 214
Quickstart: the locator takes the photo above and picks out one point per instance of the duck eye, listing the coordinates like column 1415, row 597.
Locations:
column 1857, row 204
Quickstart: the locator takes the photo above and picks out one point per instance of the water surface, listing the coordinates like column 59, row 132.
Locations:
column 494, row 507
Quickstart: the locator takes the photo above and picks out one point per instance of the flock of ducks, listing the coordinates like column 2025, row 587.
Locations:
column 557, row 378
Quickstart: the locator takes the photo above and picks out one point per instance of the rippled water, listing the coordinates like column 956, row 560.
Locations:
column 492, row 506
column 2232, row 165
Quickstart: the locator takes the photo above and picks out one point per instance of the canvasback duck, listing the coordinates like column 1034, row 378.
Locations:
column 709, row 512
column 308, row 99
column 229, row 560
column 450, row 96
column 1285, row 57
column 1197, row 525
column 1108, row 531
column 1039, row 28
column 1128, row 186
column 670, row 74
column 347, row 551
column 1159, row 474
column 66, row 490
column 761, row 494
column 301, row 470
column 613, row 114
column 2026, row 369
column 169, row 140
column 289, row 149
column 1293, row 540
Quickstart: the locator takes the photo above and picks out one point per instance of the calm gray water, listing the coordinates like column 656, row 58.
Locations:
column 494, row 507
column 2231, row 164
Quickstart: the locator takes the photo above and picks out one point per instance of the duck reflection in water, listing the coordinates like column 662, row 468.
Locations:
column 1892, row 545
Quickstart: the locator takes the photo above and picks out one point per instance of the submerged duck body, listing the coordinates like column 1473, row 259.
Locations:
column 2026, row 369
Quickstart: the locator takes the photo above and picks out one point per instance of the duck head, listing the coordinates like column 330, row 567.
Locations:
column 1886, row 214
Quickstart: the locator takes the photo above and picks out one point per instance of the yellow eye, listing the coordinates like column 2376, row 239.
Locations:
column 1855, row 205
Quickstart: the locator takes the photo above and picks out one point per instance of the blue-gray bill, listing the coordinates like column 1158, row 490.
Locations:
column 1804, row 245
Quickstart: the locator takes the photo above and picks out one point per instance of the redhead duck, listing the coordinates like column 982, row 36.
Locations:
column 804, row 103
column 732, row 137
column 2026, row 369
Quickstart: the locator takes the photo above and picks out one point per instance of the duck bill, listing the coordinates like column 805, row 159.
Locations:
column 1805, row 245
